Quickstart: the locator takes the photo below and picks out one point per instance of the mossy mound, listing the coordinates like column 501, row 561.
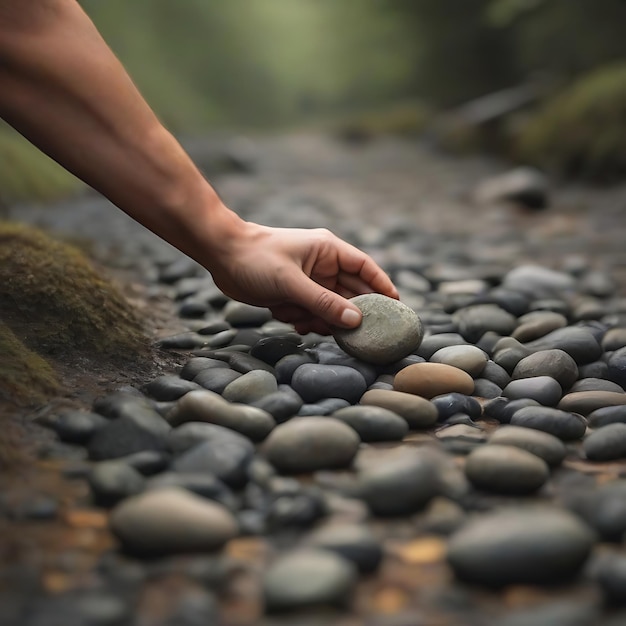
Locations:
column 25, row 377
column 57, row 304
column 582, row 130
column 26, row 174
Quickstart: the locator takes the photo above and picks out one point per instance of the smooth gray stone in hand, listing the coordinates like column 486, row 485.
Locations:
column 389, row 331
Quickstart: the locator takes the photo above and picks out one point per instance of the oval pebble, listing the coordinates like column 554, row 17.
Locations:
column 506, row 469
column 565, row 425
column 607, row 415
column 433, row 379
column 313, row 382
column 171, row 520
column 373, row 423
column 468, row 358
column 520, row 546
column 585, row 402
column 417, row 412
column 308, row 444
column 389, row 330
column 307, row 578
column 607, row 443
column 542, row 389
column 540, row 443
column 554, row 363
column 250, row 387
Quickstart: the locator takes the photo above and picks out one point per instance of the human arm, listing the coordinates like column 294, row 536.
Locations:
column 63, row 89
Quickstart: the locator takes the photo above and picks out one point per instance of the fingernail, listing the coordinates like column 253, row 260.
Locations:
column 350, row 317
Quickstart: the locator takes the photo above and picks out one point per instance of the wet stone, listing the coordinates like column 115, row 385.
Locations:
column 470, row 359
column 389, row 330
column 520, row 546
column 565, row 425
column 543, row 389
column 308, row 578
column 506, row 469
column 452, row 403
column 166, row 388
column 554, row 363
column 77, row 426
column 308, row 444
column 373, row 423
column 314, row 382
column 272, row 349
column 607, row 415
column 171, row 520
column 250, row 387
column 433, row 379
column 112, row 481
column 607, row 443
column 416, row 411
column 541, row 444
column 354, row 542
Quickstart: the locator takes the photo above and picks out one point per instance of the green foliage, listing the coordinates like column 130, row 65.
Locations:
column 582, row 130
column 56, row 303
column 26, row 174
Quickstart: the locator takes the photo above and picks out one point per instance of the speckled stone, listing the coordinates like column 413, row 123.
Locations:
column 389, row 331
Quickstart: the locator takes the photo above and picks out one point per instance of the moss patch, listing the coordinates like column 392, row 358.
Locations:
column 57, row 304
column 582, row 130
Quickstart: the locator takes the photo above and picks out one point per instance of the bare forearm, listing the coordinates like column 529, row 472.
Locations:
column 63, row 88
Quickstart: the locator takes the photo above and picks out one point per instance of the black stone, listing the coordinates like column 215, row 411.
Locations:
column 272, row 349
column 450, row 403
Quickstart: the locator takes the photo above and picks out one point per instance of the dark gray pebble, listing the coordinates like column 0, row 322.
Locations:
column 617, row 367
column 595, row 384
column 77, row 426
column 610, row 573
column 496, row 374
column 542, row 444
column 579, row 343
column 198, row 364
column 451, row 403
column 520, row 546
column 607, row 415
column 327, row 406
column 285, row 368
column 272, row 349
column 216, row 379
column 281, row 404
column 506, row 469
column 562, row 424
column 543, row 389
column 112, row 481
column 554, row 363
column 314, row 382
column 373, row 423
column 484, row 388
column 167, row 388
column 474, row 321
column 607, row 443
column 432, row 343
column 147, row 462
column 202, row 484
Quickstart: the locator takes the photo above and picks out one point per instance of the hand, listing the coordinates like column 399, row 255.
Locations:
column 303, row 276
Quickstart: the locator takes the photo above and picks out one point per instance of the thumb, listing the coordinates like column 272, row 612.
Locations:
column 328, row 305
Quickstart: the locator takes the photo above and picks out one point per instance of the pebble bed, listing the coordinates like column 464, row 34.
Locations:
column 485, row 440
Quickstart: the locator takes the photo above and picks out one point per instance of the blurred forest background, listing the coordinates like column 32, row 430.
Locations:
column 362, row 67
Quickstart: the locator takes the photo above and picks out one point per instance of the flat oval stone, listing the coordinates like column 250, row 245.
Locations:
column 216, row 379
column 169, row 387
column 308, row 444
column 579, row 343
column 313, row 382
column 171, row 520
column 272, row 349
column 584, row 402
column 607, row 443
column 506, row 469
column 520, row 546
column 373, row 423
column 470, row 359
column 540, row 443
column 543, row 389
column 502, row 409
column 451, row 403
column 474, row 321
column 281, row 404
column 496, row 374
column 112, row 481
column 416, row 411
column 554, row 363
column 617, row 367
column 78, row 426
column 250, row 387
column 484, row 388
column 432, row 343
column 607, row 415
column 206, row 406
column 538, row 324
column 389, row 330
column 433, row 379
column 614, row 339
column 562, row 424
column 308, row 578
column 240, row 314
column 595, row 384
column 197, row 364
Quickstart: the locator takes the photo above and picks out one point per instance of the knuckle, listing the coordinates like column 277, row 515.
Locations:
column 325, row 302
